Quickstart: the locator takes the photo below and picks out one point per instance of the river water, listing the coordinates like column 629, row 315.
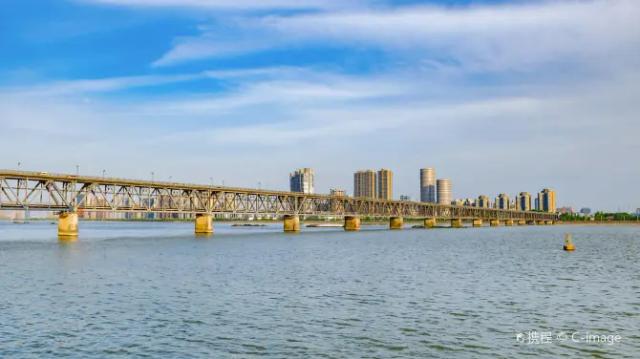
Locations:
column 156, row 290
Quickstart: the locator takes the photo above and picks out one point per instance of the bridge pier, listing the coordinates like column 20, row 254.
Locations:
column 477, row 222
column 540, row 223
column 522, row 222
column 204, row 223
column 494, row 223
column 531, row 223
column 549, row 223
column 429, row 222
column 508, row 222
column 291, row 223
column 456, row 223
column 68, row 225
column 351, row 223
column 396, row 222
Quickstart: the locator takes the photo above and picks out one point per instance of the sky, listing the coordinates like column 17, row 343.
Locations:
column 498, row 96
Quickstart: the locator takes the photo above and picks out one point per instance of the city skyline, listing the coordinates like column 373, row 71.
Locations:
column 182, row 89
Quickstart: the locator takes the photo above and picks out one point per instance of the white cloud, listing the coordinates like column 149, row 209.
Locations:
column 111, row 84
column 230, row 4
column 479, row 38
column 501, row 140
column 208, row 46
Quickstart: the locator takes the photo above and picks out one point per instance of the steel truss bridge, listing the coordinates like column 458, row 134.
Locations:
column 42, row 191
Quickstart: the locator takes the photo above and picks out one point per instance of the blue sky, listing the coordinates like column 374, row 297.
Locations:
column 498, row 96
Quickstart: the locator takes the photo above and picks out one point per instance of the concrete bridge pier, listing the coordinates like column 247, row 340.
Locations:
column 540, row 223
column 204, row 223
column 549, row 223
column 522, row 222
column 477, row 222
column 494, row 223
column 68, row 225
column 291, row 223
column 456, row 223
column 396, row 222
column 351, row 223
column 429, row 222
column 508, row 222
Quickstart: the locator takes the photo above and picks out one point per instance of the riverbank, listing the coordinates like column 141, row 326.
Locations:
column 600, row 223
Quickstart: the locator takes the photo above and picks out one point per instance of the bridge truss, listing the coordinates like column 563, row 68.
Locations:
column 20, row 190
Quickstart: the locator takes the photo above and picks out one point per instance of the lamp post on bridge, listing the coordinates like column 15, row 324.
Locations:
column 152, row 176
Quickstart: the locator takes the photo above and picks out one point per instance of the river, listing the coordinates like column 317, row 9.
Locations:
column 156, row 290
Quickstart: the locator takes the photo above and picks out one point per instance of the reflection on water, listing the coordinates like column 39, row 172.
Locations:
column 155, row 289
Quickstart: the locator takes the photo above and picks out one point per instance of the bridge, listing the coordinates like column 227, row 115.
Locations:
column 69, row 194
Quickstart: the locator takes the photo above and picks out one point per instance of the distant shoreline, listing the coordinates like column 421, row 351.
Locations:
column 599, row 223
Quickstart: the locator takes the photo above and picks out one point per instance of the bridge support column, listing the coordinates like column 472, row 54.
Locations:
column 351, row 223
column 429, row 222
column 396, row 222
column 549, row 223
column 204, row 224
column 291, row 223
column 508, row 222
column 531, row 223
column 494, row 223
column 68, row 225
column 456, row 223
column 540, row 223
column 477, row 222
column 522, row 222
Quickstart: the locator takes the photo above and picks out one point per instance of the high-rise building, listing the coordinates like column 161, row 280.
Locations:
column 302, row 180
column 385, row 184
column 444, row 191
column 483, row 202
column 428, row 185
column 547, row 200
column 469, row 202
column 337, row 192
column 524, row 202
column 502, row 201
column 364, row 184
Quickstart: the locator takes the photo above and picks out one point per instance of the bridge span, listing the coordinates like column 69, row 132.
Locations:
column 68, row 194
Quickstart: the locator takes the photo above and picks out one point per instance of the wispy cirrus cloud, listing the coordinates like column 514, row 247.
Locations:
column 246, row 5
column 98, row 85
column 487, row 37
column 282, row 118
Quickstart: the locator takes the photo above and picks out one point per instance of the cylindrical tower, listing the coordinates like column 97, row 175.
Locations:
column 428, row 185
column 444, row 191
